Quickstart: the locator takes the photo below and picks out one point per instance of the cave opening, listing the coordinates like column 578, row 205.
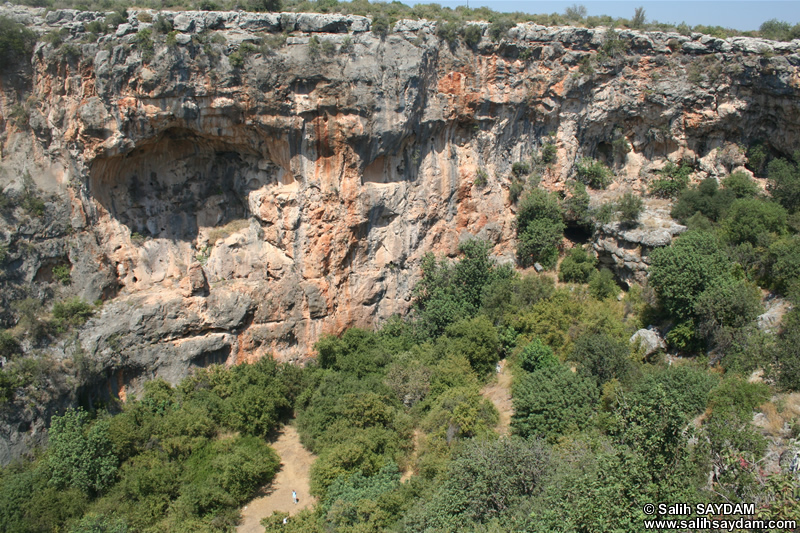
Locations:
column 177, row 183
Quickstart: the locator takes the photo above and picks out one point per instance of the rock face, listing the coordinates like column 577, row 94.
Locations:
column 625, row 250
column 251, row 181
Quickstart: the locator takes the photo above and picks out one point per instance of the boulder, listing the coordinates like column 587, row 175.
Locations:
column 649, row 340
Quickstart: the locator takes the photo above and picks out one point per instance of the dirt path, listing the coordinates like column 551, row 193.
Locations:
column 499, row 393
column 277, row 496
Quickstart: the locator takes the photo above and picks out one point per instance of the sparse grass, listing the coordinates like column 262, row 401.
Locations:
column 228, row 229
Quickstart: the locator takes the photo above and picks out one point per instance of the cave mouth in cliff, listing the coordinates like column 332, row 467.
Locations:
column 178, row 182
column 578, row 234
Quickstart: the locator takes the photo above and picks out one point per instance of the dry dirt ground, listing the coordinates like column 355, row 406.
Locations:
column 499, row 393
column 277, row 496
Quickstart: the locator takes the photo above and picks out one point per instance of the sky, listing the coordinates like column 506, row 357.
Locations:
column 738, row 14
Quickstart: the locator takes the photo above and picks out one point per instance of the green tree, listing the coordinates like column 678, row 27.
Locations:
column 602, row 284
column 741, row 185
column 577, row 266
column 630, row 207
column 680, row 273
column 476, row 339
column 725, row 307
column 784, row 182
column 593, row 173
column 537, row 355
column 752, row 219
column 81, row 454
column 485, row 480
column 553, row 401
column 602, row 357
column 16, row 43
column 539, row 229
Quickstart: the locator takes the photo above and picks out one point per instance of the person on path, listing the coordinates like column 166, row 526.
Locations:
column 294, row 496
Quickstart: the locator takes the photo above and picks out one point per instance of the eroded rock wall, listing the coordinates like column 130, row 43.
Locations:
column 230, row 206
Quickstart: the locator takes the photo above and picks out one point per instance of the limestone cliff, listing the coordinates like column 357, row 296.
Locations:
column 250, row 181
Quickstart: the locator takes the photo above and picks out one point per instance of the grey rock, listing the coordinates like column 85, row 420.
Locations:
column 124, row 29
column 649, row 340
column 183, row 39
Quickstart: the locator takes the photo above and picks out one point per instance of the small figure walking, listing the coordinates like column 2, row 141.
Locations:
column 294, row 496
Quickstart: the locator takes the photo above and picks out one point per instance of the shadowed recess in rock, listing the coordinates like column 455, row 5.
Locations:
column 179, row 182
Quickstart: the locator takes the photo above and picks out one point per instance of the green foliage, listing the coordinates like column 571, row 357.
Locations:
column 630, row 207
column 95, row 523
column 460, row 413
column 536, row 355
column 779, row 30
column 447, row 293
column 577, row 266
column 539, row 229
column 786, row 365
column 784, row 265
column 754, row 221
column 144, row 42
column 62, row 274
column 476, row 339
column 549, row 153
column 9, row 346
column 485, row 479
column 380, row 26
column 498, row 29
column 671, row 181
column 576, row 205
column 602, row 284
column 355, row 501
column 725, row 307
column 553, row 401
column 16, row 43
column 681, row 272
column 784, row 182
column 520, row 168
column 81, row 454
column 741, row 185
column 481, row 178
column 757, row 157
column 593, row 173
column 472, row 35
column 72, row 312
column 162, row 25
column 705, row 199
column 515, row 190
column 602, row 357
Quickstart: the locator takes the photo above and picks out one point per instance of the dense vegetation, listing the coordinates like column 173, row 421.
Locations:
column 595, row 429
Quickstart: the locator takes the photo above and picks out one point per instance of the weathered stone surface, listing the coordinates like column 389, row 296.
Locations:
column 310, row 187
column 649, row 341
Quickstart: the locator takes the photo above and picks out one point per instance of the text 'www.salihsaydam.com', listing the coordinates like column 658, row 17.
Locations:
column 728, row 517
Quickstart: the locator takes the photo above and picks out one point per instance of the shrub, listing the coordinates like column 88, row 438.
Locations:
column 705, row 199
column 81, row 454
column 9, row 347
column 472, row 34
column 62, row 274
column 576, row 204
column 313, row 48
column 520, row 168
column 672, row 180
column 679, row 273
column 630, row 207
column 481, row 178
column 380, row 26
column 784, row 183
column 515, row 190
column 725, row 306
column 144, row 42
column 602, row 284
column 16, row 43
column 593, row 173
column 536, row 355
column 549, row 153
column 72, row 312
column 347, row 45
column 448, row 32
column 162, row 25
column 577, row 266
column 752, row 219
column 328, row 48
column 741, row 185
column 553, row 401
column 476, row 339
column 498, row 29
